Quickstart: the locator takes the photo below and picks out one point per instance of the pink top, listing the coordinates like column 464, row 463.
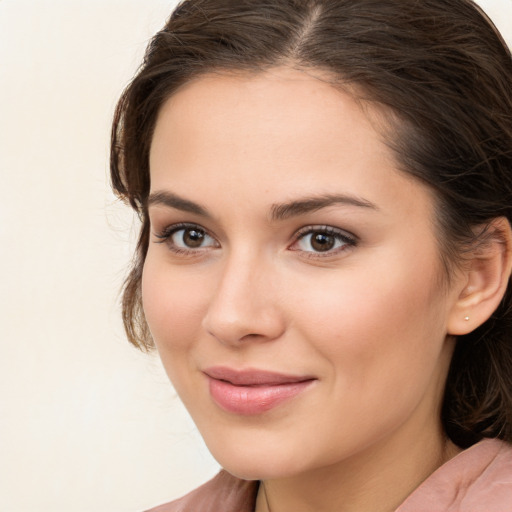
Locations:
column 478, row 479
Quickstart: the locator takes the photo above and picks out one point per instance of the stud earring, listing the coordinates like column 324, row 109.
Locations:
column 466, row 318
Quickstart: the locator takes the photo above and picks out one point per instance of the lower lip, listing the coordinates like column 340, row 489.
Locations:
column 251, row 400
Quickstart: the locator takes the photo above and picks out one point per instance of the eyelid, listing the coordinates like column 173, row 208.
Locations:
column 326, row 228
column 169, row 229
column 349, row 239
column 166, row 233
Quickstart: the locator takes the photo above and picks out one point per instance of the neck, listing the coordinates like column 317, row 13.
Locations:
column 378, row 480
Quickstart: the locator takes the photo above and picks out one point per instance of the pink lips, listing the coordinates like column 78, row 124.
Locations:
column 250, row 392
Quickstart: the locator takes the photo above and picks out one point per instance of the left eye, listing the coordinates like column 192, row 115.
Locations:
column 191, row 238
column 322, row 241
column 186, row 238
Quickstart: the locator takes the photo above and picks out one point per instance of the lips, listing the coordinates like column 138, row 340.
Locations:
column 250, row 392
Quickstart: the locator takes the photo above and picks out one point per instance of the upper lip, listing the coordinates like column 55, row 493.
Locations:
column 253, row 377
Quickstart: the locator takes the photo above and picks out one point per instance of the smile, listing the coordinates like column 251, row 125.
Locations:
column 252, row 392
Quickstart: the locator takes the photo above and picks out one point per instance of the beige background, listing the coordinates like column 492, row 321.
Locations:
column 87, row 423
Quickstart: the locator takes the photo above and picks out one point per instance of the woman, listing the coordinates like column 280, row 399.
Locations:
column 325, row 189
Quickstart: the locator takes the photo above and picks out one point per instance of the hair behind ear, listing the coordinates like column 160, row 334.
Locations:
column 478, row 397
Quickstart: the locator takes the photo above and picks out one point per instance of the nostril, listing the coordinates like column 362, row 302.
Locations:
column 236, row 332
column 249, row 336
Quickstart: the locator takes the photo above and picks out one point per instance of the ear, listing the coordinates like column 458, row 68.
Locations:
column 485, row 279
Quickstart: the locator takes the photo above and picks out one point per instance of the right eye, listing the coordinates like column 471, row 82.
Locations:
column 186, row 238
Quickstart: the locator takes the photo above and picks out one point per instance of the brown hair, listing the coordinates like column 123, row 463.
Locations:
column 441, row 68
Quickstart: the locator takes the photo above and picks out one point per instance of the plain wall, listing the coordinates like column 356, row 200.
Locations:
column 87, row 423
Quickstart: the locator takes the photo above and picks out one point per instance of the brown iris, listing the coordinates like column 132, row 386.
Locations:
column 322, row 242
column 193, row 237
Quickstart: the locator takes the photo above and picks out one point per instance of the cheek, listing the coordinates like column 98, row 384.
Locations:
column 173, row 307
column 383, row 352
column 376, row 320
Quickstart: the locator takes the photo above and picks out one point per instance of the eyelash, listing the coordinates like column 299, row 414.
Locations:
column 348, row 240
column 165, row 235
column 339, row 235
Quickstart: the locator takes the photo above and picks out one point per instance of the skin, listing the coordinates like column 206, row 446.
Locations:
column 369, row 320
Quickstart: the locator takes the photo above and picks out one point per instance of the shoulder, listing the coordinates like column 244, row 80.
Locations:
column 479, row 479
column 224, row 492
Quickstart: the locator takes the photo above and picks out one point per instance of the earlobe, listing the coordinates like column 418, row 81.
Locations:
column 486, row 277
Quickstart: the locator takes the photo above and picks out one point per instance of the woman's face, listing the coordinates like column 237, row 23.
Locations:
column 293, row 283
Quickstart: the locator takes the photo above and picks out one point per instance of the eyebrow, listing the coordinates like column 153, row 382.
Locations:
column 164, row 198
column 278, row 212
column 310, row 204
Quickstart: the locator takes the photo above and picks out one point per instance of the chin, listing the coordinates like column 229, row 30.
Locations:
column 259, row 471
column 257, row 461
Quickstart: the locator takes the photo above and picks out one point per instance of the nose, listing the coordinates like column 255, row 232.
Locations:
column 244, row 305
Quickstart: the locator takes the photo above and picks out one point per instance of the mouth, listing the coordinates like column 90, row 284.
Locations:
column 252, row 392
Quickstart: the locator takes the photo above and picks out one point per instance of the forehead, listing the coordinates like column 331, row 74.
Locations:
column 279, row 113
column 268, row 135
